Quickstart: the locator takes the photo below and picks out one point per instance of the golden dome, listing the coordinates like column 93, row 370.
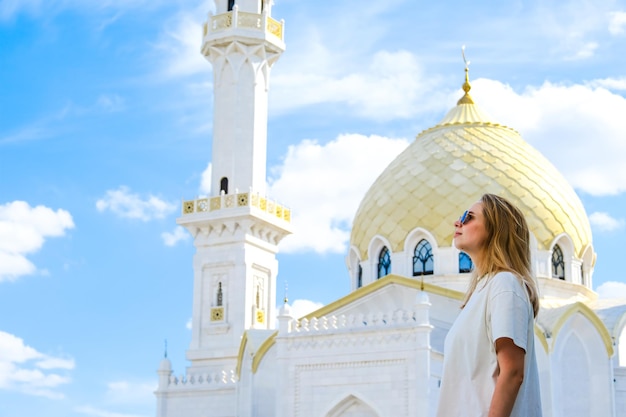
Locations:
column 449, row 167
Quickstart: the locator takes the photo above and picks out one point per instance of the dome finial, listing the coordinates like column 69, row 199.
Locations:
column 285, row 299
column 466, row 99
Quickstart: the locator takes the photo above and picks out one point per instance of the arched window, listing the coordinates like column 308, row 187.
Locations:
column 231, row 4
column 359, row 276
column 465, row 263
column 423, row 259
column 224, row 185
column 384, row 262
column 558, row 264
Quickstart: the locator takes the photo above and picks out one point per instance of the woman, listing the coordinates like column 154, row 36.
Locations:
column 489, row 366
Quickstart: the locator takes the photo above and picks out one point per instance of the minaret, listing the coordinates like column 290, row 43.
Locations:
column 242, row 42
column 236, row 230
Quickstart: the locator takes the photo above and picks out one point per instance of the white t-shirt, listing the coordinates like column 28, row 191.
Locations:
column 499, row 307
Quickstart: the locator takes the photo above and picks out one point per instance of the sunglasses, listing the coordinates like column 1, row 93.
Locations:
column 466, row 217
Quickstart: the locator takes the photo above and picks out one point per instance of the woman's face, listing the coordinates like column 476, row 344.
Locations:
column 470, row 232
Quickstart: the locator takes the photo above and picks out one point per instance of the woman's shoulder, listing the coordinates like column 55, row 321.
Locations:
column 506, row 281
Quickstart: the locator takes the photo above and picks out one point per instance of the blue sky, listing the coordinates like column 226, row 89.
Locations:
column 105, row 125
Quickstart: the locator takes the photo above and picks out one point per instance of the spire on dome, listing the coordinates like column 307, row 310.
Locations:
column 466, row 99
column 285, row 299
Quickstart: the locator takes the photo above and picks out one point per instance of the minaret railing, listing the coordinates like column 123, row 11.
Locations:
column 238, row 200
column 237, row 19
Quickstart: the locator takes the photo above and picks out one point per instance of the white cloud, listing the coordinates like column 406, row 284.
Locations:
column 569, row 30
column 577, row 127
column 127, row 392
column 391, row 86
column 617, row 23
column 585, row 50
column 324, row 184
column 24, row 369
column 48, row 362
column 604, row 221
column 612, row 289
column 95, row 412
column 205, row 182
column 124, row 203
column 618, row 84
column 189, row 324
column 179, row 234
column 180, row 43
column 300, row 308
column 110, row 102
column 23, row 230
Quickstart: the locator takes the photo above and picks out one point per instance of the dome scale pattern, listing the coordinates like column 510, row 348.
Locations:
column 449, row 167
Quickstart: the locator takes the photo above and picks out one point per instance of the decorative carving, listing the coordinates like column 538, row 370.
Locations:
column 245, row 20
column 275, row 27
column 260, row 316
column 202, row 205
column 217, row 313
column 242, row 199
column 203, row 381
column 221, row 21
column 188, row 207
column 249, row 20
column 399, row 366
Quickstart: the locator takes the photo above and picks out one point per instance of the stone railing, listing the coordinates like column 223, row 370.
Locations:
column 206, row 380
column 372, row 320
column 230, row 201
column 235, row 19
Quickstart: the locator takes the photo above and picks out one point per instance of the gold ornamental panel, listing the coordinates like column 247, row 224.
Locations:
column 275, row 27
column 202, row 205
column 260, row 316
column 217, row 313
column 188, row 207
column 242, row 199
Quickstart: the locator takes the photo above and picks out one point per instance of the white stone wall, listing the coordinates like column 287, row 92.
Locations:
column 197, row 399
column 620, row 391
column 375, row 364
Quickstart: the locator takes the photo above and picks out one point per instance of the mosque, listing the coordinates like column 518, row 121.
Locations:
column 376, row 352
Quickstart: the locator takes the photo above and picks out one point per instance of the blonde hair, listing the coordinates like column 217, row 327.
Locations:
column 507, row 247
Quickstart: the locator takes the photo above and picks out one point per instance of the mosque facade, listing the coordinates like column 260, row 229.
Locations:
column 377, row 352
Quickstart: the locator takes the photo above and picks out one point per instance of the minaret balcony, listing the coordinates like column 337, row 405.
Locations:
column 236, row 201
column 253, row 24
